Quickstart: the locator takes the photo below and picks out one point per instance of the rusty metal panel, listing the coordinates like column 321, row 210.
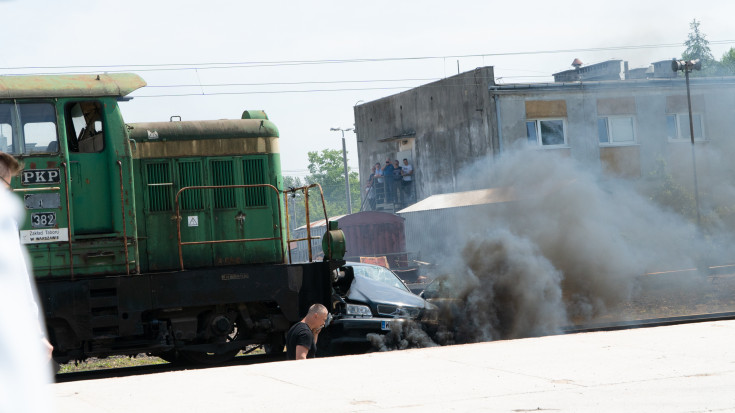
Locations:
column 679, row 104
column 372, row 233
column 546, row 109
column 616, row 106
column 623, row 161
column 46, row 86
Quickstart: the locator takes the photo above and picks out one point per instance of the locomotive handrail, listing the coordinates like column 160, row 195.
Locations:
column 178, row 218
column 305, row 189
column 44, row 188
column 68, row 222
column 125, row 230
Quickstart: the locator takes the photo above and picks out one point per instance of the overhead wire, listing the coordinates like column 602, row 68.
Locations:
column 228, row 65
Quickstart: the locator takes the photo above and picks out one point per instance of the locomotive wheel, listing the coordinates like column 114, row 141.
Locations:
column 200, row 357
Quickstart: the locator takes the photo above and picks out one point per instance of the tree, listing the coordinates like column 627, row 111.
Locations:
column 728, row 62
column 698, row 48
column 327, row 169
column 697, row 45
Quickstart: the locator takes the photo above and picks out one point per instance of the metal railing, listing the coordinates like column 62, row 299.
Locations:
column 305, row 190
column 379, row 194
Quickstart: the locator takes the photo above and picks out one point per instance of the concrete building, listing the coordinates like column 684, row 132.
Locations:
column 613, row 118
column 440, row 128
column 625, row 123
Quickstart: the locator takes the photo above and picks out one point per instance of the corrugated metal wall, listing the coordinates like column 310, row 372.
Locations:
column 367, row 234
column 372, row 233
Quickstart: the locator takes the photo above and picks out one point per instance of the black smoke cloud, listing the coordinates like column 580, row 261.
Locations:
column 572, row 245
column 402, row 335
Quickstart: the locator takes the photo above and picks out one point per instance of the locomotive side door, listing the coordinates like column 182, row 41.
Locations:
column 91, row 167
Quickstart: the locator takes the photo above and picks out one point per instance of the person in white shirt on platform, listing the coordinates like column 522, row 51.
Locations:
column 407, row 182
column 25, row 370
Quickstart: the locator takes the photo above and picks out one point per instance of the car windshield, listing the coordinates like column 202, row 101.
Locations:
column 379, row 274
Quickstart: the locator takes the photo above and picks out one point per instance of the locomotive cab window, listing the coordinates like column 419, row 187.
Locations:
column 85, row 128
column 28, row 128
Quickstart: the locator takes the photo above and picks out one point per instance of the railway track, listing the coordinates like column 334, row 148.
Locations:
column 651, row 322
column 263, row 358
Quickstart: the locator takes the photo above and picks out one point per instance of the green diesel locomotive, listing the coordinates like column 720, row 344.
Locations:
column 166, row 238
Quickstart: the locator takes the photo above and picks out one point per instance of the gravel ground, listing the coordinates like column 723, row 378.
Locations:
column 673, row 295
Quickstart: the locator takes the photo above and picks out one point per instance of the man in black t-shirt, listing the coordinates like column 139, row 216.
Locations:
column 302, row 337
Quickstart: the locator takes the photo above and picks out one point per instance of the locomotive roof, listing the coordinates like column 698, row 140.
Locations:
column 202, row 129
column 48, row 86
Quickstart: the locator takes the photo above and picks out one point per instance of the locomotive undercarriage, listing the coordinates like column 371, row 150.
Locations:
column 205, row 316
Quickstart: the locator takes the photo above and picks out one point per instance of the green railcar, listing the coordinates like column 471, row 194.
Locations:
column 233, row 170
column 163, row 237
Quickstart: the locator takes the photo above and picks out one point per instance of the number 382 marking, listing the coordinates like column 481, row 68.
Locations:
column 43, row 219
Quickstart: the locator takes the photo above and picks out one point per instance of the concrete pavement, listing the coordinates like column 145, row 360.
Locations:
column 685, row 368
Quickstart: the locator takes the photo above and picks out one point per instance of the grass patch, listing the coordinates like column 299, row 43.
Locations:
column 112, row 362
column 116, row 362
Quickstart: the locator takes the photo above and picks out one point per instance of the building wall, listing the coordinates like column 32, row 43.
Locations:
column 647, row 102
column 441, row 127
column 447, row 125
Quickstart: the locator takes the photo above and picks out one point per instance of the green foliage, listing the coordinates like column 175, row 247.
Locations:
column 670, row 194
column 113, row 362
column 728, row 62
column 697, row 45
column 326, row 168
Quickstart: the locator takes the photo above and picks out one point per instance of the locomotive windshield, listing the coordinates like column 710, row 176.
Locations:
column 28, row 128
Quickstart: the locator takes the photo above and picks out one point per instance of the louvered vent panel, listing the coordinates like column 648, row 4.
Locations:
column 190, row 174
column 254, row 174
column 159, row 196
column 222, row 175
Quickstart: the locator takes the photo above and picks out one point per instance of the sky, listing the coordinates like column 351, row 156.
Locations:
column 214, row 59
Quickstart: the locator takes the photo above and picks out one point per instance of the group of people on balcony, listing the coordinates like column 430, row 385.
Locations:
column 390, row 183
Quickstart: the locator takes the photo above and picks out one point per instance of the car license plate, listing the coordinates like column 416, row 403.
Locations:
column 385, row 325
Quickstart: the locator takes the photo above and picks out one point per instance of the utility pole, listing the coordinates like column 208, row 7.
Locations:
column 344, row 160
column 686, row 67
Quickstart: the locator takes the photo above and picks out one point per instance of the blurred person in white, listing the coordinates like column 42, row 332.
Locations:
column 25, row 368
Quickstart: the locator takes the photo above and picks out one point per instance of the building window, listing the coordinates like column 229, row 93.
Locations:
column 615, row 129
column 546, row 132
column 677, row 127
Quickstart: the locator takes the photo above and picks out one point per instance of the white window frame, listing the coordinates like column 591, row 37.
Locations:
column 611, row 131
column 539, row 137
column 683, row 135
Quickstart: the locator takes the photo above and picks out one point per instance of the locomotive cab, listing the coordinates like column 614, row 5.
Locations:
column 77, row 177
